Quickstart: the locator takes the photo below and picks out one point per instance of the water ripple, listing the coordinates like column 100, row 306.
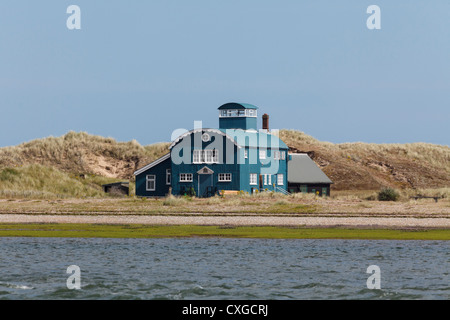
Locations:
column 222, row 269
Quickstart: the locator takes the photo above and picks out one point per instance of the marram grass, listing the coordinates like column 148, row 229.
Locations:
column 175, row 231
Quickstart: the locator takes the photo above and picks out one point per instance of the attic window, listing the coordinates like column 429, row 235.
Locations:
column 205, row 137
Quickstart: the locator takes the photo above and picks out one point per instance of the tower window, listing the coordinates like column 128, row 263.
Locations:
column 238, row 113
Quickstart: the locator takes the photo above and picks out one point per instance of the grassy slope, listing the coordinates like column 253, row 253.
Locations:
column 50, row 167
column 79, row 152
column 42, row 182
column 367, row 166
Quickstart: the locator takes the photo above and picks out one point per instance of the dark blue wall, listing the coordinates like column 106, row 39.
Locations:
column 162, row 189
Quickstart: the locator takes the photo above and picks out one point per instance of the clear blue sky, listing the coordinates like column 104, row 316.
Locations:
column 140, row 69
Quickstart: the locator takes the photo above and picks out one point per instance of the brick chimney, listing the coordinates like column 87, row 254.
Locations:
column 265, row 121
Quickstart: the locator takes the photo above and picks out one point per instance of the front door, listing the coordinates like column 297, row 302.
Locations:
column 204, row 181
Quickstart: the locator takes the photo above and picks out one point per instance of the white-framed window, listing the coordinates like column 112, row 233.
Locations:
column 224, row 177
column 205, row 156
column 253, row 178
column 186, row 177
column 262, row 154
column 208, row 156
column 150, row 182
column 215, row 156
column 168, row 176
column 196, row 157
column 280, row 179
column 211, row 156
column 279, row 155
column 251, row 112
column 267, row 179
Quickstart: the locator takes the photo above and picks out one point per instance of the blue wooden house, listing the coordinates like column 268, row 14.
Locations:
column 204, row 161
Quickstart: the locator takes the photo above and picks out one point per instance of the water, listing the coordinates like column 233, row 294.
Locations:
column 214, row 268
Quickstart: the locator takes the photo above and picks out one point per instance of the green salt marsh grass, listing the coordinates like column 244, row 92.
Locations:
column 175, row 231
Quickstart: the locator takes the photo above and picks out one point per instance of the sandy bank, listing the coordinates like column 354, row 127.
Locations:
column 363, row 222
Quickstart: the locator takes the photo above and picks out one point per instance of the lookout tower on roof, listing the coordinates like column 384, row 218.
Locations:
column 238, row 116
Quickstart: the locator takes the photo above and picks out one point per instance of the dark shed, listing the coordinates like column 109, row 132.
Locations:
column 117, row 188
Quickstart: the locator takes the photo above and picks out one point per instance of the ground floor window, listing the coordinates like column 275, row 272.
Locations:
column 304, row 188
column 224, row 177
column 267, row 179
column 186, row 177
column 280, row 179
column 151, row 182
column 253, row 178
